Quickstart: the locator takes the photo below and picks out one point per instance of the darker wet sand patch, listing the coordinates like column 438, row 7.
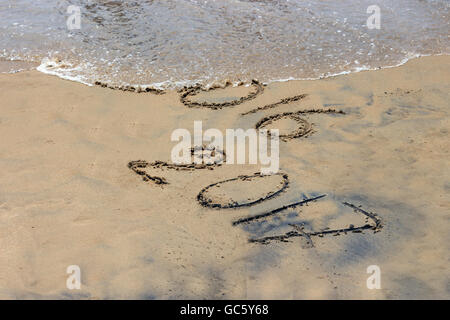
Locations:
column 12, row 66
column 300, row 231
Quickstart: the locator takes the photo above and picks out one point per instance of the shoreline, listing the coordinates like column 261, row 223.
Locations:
column 162, row 86
column 69, row 196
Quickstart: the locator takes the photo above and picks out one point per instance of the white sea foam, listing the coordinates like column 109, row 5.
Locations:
column 66, row 71
column 63, row 70
column 176, row 43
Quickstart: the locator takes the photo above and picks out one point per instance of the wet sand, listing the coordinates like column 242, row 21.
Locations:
column 69, row 197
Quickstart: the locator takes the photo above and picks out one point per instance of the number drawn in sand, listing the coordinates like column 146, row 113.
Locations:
column 373, row 222
column 304, row 128
column 276, row 104
column 217, row 195
column 189, row 92
column 216, row 158
column 249, row 190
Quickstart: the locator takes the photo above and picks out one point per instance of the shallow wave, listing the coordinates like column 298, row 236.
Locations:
column 175, row 43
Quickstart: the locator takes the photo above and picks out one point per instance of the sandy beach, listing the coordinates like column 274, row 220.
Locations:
column 68, row 195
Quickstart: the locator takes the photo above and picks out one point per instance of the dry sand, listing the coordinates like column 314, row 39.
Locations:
column 67, row 196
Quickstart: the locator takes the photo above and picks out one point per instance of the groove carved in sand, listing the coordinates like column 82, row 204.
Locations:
column 189, row 92
column 130, row 88
column 376, row 224
column 304, row 128
column 206, row 201
column 138, row 165
column 276, row 104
